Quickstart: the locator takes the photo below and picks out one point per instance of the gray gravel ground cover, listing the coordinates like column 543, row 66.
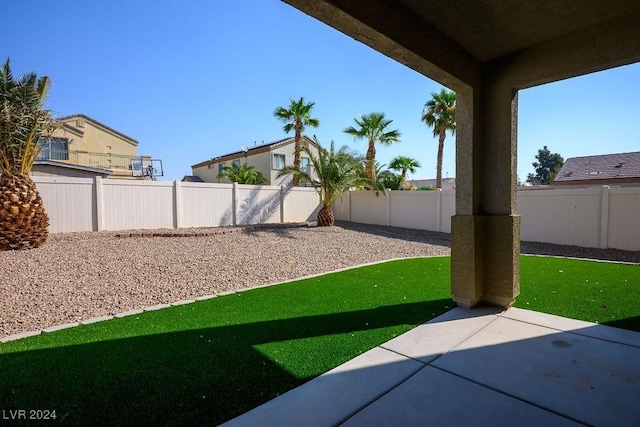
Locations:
column 78, row 276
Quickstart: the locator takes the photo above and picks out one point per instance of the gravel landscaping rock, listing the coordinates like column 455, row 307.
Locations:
column 79, row 276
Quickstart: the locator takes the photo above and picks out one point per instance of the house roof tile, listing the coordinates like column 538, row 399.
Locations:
column 252, row 150
column 607, row 166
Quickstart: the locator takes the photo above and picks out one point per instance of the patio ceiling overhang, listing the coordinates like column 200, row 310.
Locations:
column 486, row 51
column 528, row 43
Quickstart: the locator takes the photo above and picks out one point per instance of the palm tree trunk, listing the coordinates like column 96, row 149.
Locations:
column 443, row 135
column 326, row 218
column 24, row 222
column 370, row 167
column 296, row 150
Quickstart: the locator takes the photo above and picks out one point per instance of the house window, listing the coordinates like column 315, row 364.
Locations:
column 221, row 168
column 278, row 161
column 55, row 149
column 304, row 164
column 211, row 166
column 236, row 163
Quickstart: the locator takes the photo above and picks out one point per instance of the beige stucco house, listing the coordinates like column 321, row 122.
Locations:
column 82, row 145
column 267, row 159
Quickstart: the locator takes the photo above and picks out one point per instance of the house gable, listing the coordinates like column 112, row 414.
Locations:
column 619, row 168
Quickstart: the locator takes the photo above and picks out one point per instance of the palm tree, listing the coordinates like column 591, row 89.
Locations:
column 335, row 172
column 440, row 114
column 404, row 164
column 297, row 118
column 243, row 174
column 24, row 126
column 373, row 127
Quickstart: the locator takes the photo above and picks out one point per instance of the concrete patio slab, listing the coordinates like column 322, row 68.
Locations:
column 420, row 401
column 334, row 396
column 593, row 381
column 435, row 338
column 581, row 327
column 475, row 367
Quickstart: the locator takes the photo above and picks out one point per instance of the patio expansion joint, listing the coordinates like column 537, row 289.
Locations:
column 381, row 395
column 529, row 402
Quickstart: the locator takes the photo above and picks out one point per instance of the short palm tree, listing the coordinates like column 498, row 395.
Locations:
column 24, row 126
column 297, row 117
column 334, row 173
column 404, row 164
column 243, row 174
column 374, row 128
column 440, row 114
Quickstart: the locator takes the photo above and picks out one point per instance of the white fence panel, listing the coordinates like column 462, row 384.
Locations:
column 70, row 203
column 137, row 204
column 300, row 204
column 624, row 219
column 205, row 205
column 258, row 204
column 341, row 208
column 447, row 209
column 414, row 209
column 568, row 217
column 367, row 208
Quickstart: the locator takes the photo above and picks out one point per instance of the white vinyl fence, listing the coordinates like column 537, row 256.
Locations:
column 86, row 204
column 599, row 218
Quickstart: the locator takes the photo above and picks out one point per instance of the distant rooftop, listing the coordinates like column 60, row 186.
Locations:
column 607, row 166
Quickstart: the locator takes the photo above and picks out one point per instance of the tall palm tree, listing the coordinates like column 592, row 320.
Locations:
column 243, row 174
column 440, row 114
column 297, row 117
column 335, row 172
column 24, row 126
column 373, row 127
column 404, row 164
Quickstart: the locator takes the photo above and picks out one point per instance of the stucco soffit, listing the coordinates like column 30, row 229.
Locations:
column 607, row 45
column 394, row 30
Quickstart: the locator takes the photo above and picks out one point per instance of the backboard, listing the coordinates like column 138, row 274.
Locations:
column 146, row 167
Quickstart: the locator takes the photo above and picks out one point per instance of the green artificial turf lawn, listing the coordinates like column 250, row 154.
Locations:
column 600, row 292
column 206, row 362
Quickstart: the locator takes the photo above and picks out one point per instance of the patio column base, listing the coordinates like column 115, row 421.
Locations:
column 485, row 260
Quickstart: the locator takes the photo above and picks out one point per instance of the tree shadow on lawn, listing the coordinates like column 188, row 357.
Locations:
column 192, row 377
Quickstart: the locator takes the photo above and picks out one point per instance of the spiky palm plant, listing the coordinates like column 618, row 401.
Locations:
column 297, row 117
column 374, row 128
column 404, row 164
column 243, row 174
column 440, row 114
column 334, row 172
column 24, row 126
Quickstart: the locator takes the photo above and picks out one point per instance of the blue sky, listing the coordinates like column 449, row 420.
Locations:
column 195, row 79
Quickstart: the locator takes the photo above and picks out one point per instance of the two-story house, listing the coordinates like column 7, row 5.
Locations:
column 82, row 146
column 267, row 159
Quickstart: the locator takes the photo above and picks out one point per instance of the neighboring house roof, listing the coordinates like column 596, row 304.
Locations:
column 99, row 171
column 607, row 166
column 192, row 178
column 83, row 116
column 447, row 183
column 254, row 150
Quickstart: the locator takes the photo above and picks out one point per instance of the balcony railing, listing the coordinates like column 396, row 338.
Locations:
column 85, row 158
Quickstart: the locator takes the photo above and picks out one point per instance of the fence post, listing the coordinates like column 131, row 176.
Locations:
column 282, row 204
column 604, row 217
column 234, row 203
column 388, row 191
column 439, row 209
column 177, row 204
column 99, row 204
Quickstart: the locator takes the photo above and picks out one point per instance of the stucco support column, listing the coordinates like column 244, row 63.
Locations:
column 486, row 228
